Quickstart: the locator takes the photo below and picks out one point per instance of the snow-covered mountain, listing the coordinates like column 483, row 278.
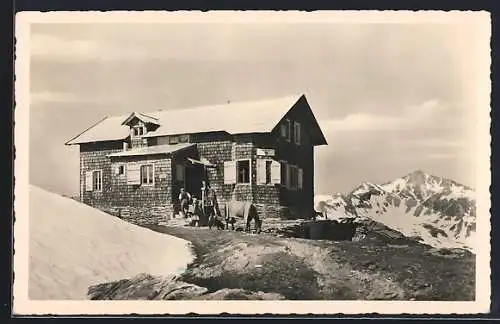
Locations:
column 440, row 212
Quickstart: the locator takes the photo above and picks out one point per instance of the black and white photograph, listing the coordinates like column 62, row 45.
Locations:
column 252, row 162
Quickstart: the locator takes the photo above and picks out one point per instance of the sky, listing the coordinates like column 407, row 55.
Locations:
column 390, row 98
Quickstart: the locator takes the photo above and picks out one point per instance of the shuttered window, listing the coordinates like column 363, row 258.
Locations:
column 147, row 174
column 120, row 169
column 264, row 171
column 93, row 180
column 292, row 177
column 240, row 172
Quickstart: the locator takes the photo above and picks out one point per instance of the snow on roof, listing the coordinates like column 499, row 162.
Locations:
column 108, row 129
column 143, row 117
column 234, row 118
column 154, row 150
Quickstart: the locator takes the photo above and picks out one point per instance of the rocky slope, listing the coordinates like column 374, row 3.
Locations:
column 437, row 211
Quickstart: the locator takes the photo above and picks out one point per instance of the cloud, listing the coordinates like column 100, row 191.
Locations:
column 450, row 143
column 45, row 46
column 54, row 97
column 446, row 155
column 424, row 115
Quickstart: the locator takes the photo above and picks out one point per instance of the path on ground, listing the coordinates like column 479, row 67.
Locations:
column 307, row 269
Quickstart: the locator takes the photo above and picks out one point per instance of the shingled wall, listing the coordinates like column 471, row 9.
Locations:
column 149, row 205
column 143, row 204
column 220, row 147
column 94, row 157
column 134, row 203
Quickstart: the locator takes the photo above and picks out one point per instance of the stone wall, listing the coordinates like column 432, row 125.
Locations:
column 139, row 215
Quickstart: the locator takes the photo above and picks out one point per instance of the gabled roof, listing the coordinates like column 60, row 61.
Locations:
column 107, row 129
column 142, row 117
column 153, row 150
column 234, row 118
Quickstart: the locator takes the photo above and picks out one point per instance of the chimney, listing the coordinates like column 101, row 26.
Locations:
column 125, row 146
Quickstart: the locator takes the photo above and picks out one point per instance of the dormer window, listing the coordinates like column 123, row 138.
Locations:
column 138, row 130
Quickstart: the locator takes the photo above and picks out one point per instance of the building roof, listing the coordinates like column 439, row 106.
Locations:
column 153, row 150
column 234, row 118
column 143, row 117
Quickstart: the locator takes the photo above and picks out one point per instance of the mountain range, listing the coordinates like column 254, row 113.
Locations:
column 433, row 210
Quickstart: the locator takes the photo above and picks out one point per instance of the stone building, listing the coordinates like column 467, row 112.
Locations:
column 133, row 166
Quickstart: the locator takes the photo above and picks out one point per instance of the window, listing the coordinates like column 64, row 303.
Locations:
column 296, row 132
column 285, row 130
column 284, row 179
column 120, row 170
column 268, row 171
column 174, row 139
column 243, row 171
column 294, row 175
column 291, row 176
column 183, row 138
column 138, row 131
column 97, row 180
column 147, row 174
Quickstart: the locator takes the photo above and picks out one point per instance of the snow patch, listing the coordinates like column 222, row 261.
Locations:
column 73, row 246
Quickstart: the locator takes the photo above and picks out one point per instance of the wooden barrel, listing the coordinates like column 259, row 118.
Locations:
column 319, row 230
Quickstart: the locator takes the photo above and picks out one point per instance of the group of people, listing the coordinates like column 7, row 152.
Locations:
column 200, row 213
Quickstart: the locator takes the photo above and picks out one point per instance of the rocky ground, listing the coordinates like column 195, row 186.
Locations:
column 237, row 265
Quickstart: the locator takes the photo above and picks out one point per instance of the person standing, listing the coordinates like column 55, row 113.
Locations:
column 184, row 198
column 211, row 205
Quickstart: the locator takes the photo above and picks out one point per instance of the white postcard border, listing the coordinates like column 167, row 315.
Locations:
column 23, row 306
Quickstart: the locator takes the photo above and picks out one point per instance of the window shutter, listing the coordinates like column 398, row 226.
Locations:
column 133, row 174
column 289, row 130
column 88, row 181
column 117, row 169
column 261, row 171
column 283, row 130
column 275, row 172
column 300, row 179
column 297, row 133
column 229, row 172
column 288, row 177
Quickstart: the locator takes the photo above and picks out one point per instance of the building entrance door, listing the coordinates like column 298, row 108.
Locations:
column 193, row 179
